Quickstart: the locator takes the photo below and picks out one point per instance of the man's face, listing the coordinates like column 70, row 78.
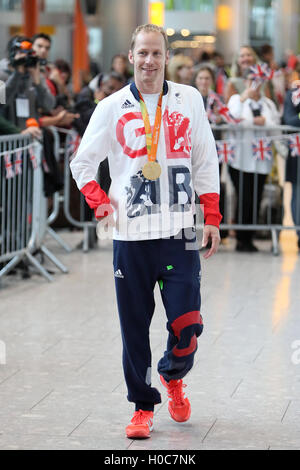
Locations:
column 42, row 47
column 149, row 58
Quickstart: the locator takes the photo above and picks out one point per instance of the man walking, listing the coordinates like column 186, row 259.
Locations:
column 160, row 151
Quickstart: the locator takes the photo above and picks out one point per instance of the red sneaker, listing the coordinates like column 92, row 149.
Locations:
column 179, row 406
column 141, row 424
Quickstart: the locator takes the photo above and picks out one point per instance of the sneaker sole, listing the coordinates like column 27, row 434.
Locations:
column 180, row 419
column 139, row 433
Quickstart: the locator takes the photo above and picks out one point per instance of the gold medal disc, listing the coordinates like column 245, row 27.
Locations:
column 151, row 170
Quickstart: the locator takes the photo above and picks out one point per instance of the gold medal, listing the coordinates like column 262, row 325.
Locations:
column 151, row 170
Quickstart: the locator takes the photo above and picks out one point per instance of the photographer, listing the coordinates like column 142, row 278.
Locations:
column 27, row 95
column 58, row 82
column 41, row 44
column 58, row 79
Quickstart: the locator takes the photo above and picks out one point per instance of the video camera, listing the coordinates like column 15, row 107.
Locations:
column 24, row 46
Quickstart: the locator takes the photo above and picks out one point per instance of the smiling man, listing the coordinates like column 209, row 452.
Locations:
column 160, row 150
column 149, row 55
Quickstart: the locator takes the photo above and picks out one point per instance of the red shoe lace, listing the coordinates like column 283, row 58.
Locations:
column 140, row 416
column 175, row 391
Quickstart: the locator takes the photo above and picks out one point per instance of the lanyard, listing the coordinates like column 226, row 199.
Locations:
column 151, row 139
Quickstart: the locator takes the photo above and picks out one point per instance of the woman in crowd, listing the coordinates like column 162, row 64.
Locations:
column 236, row 84
column 58, row 80
column 249, row 174
column 119, row 65
column 181, row 69
column 205, row 83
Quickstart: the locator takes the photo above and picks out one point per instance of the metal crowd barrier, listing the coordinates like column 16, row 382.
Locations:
column 23, row 207
column 271, row 215
column 57, row 196
column 71, row 142
column 257, row 225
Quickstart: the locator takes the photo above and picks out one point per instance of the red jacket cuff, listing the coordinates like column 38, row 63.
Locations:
column 210, row 203
column 94, row 195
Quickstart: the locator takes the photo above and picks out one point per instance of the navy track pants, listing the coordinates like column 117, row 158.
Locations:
column 138, row 265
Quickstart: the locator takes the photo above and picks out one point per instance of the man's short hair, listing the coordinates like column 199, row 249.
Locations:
column 41, row 35
column 149, row 28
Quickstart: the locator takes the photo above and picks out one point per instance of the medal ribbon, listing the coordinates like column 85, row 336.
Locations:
column 151, row 139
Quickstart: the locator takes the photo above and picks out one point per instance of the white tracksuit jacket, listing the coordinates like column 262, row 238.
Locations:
column 186, row 151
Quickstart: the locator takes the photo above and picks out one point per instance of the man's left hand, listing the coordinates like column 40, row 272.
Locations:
column 210, row 232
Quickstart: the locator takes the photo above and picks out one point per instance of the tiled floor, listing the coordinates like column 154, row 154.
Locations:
column 62, row 385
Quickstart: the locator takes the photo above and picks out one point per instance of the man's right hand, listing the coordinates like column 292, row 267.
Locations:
column 103, row 211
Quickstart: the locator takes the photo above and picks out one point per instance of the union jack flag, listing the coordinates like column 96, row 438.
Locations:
column 73, row 144
column 33, row 158
column 225, row 151
column 212, row 100
column 261, row 73
column 296, row 96
column 262, row 149
column 294, row 141
column 8, row 166
column 224, row 111
column 221, row 109
column 18, row 162
column 45, row 166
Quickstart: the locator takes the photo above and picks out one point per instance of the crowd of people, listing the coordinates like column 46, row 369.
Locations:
column 39, row 95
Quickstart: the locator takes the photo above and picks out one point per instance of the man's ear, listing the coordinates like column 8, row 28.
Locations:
column 130, row 56
column 167, row 57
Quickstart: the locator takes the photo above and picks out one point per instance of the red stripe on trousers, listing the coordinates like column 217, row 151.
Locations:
column 182, row 322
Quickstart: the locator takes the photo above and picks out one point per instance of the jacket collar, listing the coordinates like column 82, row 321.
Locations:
column 135, row 92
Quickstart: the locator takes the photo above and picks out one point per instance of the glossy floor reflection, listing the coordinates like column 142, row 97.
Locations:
column 62, row 385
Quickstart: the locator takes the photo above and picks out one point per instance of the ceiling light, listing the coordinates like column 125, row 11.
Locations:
column 170, row 31
column 185, row 32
